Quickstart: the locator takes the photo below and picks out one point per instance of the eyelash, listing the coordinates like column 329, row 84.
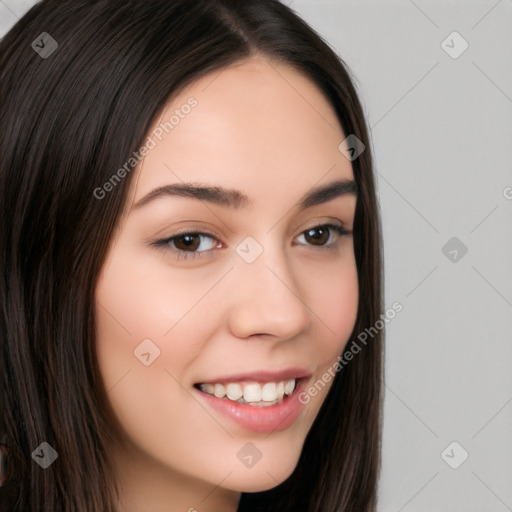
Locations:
column 185, row 255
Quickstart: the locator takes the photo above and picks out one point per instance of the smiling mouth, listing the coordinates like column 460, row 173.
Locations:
column 258, row 394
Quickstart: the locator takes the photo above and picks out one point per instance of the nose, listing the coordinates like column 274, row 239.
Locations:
column 266, row 299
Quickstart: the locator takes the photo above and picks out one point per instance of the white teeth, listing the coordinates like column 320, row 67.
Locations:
column 234, row 391
column 207, row 388
column 289, row 386
column 252, row 393
column 268, row 392
column 280, row 390
column 219, row 390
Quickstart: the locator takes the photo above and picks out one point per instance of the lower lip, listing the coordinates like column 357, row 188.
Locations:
column 271, row 418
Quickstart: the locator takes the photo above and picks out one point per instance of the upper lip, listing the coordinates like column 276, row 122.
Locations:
column 262, row 376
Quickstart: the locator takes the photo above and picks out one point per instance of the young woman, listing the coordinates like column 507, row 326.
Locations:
column 191, row 254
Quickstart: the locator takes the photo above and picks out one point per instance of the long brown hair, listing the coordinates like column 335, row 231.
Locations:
column 69, row 119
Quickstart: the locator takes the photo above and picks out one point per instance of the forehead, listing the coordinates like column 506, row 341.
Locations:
column 257, row 125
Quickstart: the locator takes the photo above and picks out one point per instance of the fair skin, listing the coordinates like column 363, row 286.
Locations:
column 264, row 129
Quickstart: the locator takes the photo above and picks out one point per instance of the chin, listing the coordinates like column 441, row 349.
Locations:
column 259, row 479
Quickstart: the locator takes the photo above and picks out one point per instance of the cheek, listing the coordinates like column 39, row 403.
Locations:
column 334, row 296
column 142, row 298
column 144, row 346
column 339, row 303
column 138, row 300
column 335, row 306
column 151, row 326
column 144, row 343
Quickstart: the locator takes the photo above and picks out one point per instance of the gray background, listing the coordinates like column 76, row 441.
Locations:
column 441, row 130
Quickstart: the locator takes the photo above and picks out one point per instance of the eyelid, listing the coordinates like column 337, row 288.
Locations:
column 163, row 243
column 337, row 228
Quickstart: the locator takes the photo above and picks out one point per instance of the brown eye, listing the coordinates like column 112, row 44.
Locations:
column 317, row 236
column 189, row 245
column 188, row 242
column 320, row 236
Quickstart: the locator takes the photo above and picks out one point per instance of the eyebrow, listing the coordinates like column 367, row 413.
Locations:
column 231, row 198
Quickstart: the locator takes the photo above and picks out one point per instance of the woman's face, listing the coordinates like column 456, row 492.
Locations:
column 260, row 301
